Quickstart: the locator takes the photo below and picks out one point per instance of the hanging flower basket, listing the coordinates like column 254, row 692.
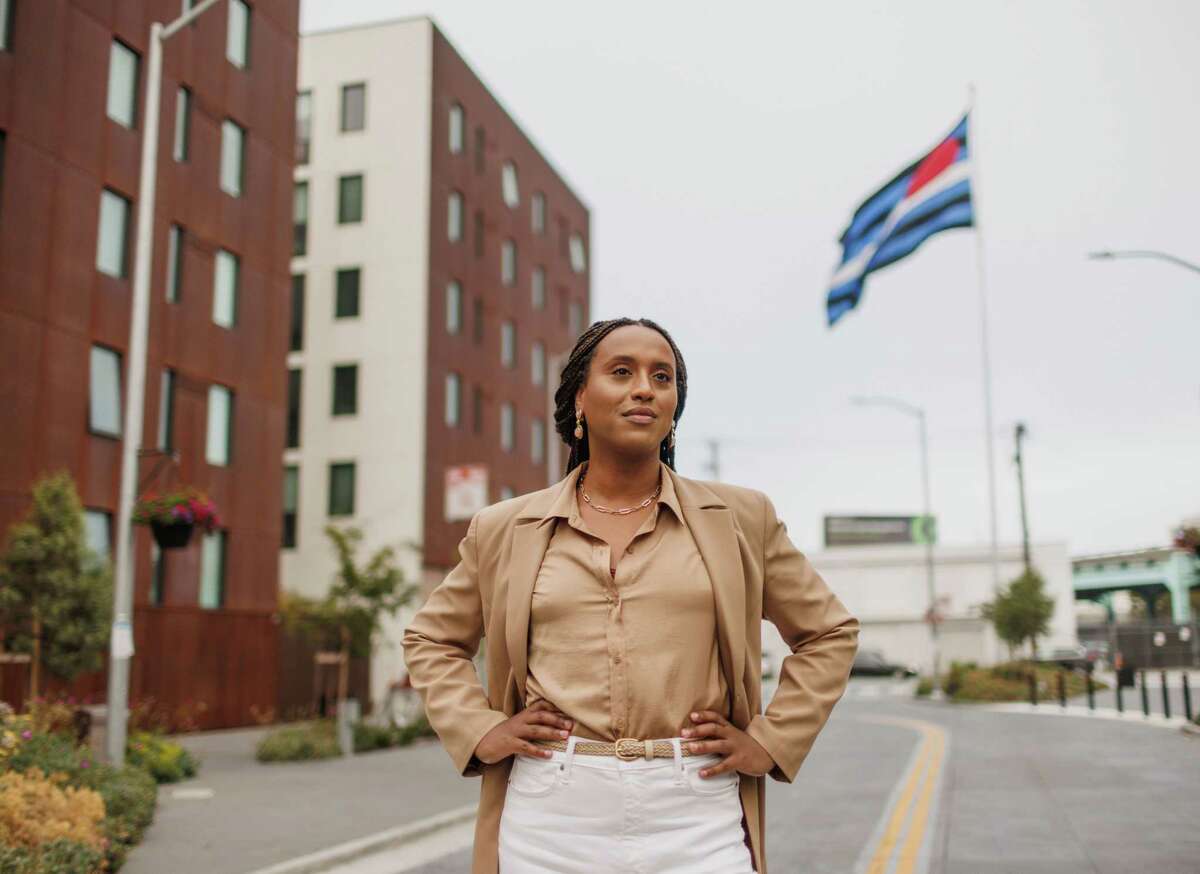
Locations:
column 174, row 516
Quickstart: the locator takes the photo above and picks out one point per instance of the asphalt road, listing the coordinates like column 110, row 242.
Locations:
column 894, row 785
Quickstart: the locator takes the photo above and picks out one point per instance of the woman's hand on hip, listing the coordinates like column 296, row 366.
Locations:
column 541, row 721
column 716, row 734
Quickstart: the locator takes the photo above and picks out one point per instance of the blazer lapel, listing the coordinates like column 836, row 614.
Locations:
column 712, row 527
column 529, row 544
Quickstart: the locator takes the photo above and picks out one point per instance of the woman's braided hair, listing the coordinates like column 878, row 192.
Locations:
column 574, row 374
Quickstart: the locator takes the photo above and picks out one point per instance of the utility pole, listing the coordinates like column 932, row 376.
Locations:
column 121, row 637
column 1020, row 434
column 714, row 458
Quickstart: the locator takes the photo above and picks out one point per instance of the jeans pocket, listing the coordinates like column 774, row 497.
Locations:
column 534, row 778
column 718, row 785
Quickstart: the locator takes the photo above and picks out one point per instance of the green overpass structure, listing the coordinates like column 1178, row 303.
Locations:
column 1145, row 573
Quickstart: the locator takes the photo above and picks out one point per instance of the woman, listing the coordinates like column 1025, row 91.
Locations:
column 621, row 728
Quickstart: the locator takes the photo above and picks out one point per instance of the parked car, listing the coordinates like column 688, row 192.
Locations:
column 873, row 663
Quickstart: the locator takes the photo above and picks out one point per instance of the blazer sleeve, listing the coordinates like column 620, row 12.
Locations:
column 822, row 637
column 439, row 645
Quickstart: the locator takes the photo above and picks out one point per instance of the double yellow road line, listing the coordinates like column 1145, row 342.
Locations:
column 898, row 849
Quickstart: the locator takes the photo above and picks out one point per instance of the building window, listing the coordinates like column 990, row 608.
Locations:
column 457, row 123
column 454, row 217
column 122, row 84
column 291, row 502
column 354, row 106
column 346, row 303
column 174, row 262
column 212, row 570
column 537, row 441
column 303, row 127
column 158, row 575
column 166, row 410
column 296, row 342
column 226, row 279
column 112, row 242
column 237, row 43
column 350, row 199
column 97, row 532
column 538, row 288
column 453, row 399
column 345, row 389
column 233, row 150
column 578, row 257
column 479, row 231
column 480, row 148
column 295, row 386
column 220, row 426
column 453, row 307
column 576, row 318
column 508, row 262
column 6, row 20
column 300, row 219
column 537, row 363
column 477, row 321
column 477, row 410
column 507, row 426
column 508, row 185
column 341, row 489
column 183, row 123
column 104, row 397
column 508, row 344
column 537, row 213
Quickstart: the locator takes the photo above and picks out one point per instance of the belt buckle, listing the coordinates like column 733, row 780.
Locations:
column 628, row 757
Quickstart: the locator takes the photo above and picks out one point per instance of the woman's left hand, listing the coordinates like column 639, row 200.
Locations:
column 742, row 752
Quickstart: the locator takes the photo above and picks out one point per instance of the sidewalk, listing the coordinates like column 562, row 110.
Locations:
column 238, row 815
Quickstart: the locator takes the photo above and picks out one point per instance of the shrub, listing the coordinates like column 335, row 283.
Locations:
column 1009, row 681
column 130, row 795
column 924, row 687
column 35, row 810
column 294, row 743
column 56, row 857
column 165, row 760
column 50, row 754
column 369, row 737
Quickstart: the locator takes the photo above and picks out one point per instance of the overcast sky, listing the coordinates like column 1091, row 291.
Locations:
column 722, row 150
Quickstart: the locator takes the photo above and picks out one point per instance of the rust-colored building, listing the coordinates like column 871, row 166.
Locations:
column 72, row 87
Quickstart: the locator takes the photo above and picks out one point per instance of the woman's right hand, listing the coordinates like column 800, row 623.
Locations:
column 541, row 721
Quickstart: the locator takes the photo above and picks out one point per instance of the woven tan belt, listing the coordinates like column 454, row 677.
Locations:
column 626, row 748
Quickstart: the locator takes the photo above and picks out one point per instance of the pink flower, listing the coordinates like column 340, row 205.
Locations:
column 85, row 764
column 26, row 734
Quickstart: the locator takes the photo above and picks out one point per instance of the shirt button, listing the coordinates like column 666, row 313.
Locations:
column 617, row 660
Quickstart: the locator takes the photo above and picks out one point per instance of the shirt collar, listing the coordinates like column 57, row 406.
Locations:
column 565, row 502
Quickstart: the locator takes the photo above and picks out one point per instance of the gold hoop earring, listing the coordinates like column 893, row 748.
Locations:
column 578, row 424
column 671, row 439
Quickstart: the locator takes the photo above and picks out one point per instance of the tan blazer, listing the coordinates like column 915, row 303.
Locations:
column 756, row 572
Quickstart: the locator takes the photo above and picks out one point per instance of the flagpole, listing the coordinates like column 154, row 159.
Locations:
column 985, row 339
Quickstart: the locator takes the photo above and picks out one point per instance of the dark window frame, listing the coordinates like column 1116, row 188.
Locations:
column 343, row 294
column 344, row 393
column 296, row 333
column 289, row 539
column 343, row 216
column 294, row 408
column 300, row 228
column 336, row 467
column 342, row 109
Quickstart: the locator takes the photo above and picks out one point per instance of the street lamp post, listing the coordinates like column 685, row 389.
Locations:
column 121, row 640
column 931, row 589
column 1107, row 255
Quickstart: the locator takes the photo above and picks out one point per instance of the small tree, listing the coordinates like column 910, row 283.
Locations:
column 1021, row 611
column 352, row 611
column 55, row 594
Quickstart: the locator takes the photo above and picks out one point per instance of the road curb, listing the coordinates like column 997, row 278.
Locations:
column 1190, row 729
column 323, row 860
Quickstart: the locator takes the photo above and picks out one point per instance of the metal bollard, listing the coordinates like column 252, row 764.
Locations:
column 1062, row 689
column 1120, row 699
column 1145, row 694
column 1187, row 698
column 1166, row 695
column 1033, row 688
column 1091, row 691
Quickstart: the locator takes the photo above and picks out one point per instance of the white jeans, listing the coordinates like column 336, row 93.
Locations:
column 600, row 815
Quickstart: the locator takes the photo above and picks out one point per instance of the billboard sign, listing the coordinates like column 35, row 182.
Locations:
column 875, row 530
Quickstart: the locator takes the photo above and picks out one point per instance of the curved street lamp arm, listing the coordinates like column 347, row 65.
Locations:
column 1146, row 253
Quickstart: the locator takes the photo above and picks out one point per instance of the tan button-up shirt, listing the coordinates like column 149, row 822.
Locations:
column 630, row 655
